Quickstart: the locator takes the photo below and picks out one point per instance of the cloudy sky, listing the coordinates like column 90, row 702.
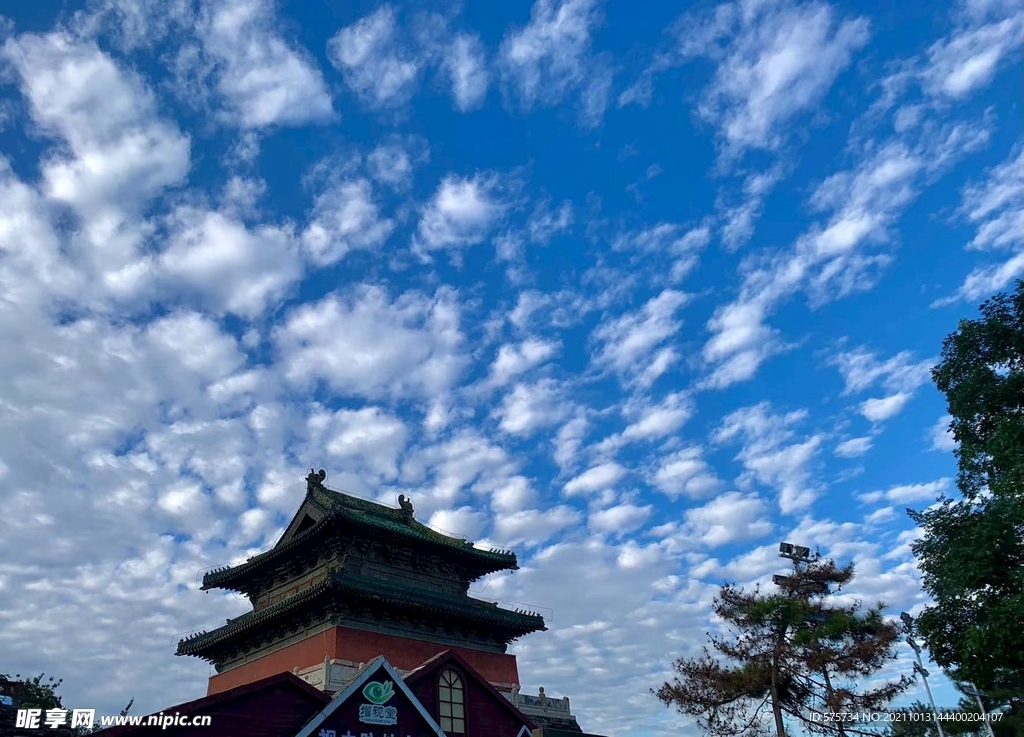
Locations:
column 638, row 296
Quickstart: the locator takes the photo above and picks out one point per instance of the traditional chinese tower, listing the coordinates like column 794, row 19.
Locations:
column 351, row 580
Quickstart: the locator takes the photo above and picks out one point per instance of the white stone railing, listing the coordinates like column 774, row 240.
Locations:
column 541, row 705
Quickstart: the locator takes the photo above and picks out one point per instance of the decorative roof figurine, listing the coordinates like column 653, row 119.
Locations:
column 315, row 480
column 406, row 505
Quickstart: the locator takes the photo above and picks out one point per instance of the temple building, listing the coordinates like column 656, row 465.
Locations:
column 351, row 581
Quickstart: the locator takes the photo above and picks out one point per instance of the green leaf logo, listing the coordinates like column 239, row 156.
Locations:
column 379, row 693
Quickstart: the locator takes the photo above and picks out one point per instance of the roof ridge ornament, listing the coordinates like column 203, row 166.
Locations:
column 406, row 506
column 315, row 480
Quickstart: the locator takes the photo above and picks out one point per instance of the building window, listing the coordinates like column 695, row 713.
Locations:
column 452, row 698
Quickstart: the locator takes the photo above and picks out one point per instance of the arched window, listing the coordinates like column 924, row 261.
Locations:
column 452, row 698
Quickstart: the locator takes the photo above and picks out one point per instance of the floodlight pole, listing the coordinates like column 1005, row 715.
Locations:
column 801, row 554
column 908, row 621
column 984, row 714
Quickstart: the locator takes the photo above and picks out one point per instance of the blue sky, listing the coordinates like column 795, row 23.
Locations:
column 637, row 295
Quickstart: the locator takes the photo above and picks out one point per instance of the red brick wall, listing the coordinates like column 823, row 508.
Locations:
column 361, row 647
column 303, row 654
column 405, row 653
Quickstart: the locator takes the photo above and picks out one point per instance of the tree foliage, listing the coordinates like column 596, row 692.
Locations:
column 788, row 656
column 972, row 551
column 35, row 692
column 38, row 692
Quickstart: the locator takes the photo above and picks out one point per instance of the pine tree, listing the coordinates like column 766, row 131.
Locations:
column 792, row 655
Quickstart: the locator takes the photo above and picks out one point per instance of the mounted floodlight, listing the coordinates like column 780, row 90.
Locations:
column 921, row 669
column 794, row 552
column 907, row 619
column 780, row 580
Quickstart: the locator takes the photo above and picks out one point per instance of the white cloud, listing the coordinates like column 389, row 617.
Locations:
column 462, row 212
column 681, row 244
column 370, row 55
column 515, row 359
column 391, row 163
column 853, row 448
column 741, row 342
column 568, row 440
column 884, row 408
column 729, row 518
column 463, row 461
column 466, row 64
column 779, row 61
column 546, row 223
column 409, row 346
column 909, row 493
column 533, row 526
column 118, row 155
column 958, row 66
column 862, row 370
column 263, row 79
column 463, row 522
column 996, row 208
column 659, row 420
column 513, row 495
column 651, row 421
column 630, row 339
column 620, row 519
column 529, row 407
column 196, row 343
column 369, row 436
column 229, row 267
column 828, row 261
column 344, row 218
column 597, row 478
column 122, row 153
column 740, row 219
column 941, row 436
column 769, row 457
column 550, row 58
column 686, row 472
column 901, row 375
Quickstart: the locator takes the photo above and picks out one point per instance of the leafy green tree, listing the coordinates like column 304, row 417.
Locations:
column 972, row 551
column 38, row 692
column 789, row 656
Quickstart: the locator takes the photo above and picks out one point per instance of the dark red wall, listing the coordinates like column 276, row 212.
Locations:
column 275, row 711
column 484, row 716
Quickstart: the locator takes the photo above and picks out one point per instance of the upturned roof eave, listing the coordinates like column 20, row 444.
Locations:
column 514, row 623
column 487, row 561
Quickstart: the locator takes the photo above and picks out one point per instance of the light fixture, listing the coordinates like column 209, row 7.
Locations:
column 794, row 552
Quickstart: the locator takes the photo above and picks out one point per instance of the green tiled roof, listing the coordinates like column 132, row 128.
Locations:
column 371, row 516
column 511, row 623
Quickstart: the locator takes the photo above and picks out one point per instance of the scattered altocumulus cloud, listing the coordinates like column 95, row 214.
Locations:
column 640, row 344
